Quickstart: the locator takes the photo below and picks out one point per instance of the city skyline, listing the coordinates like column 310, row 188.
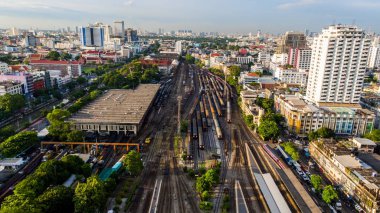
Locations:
column 221, row 16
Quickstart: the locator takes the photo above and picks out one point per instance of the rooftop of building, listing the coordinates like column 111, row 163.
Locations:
column 53, row 62
column 118, row 106
column 9, row 83
column 363, row 171
column 364, row 141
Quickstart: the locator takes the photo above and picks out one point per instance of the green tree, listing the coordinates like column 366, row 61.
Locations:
column 189, row 59
column 66, row 56
column 374, row 135
column 17, row 204
column 73, row 163
column 75, row 136
column 90, row 197
column 316, row 182
column 291, row 149
column 53, row 55
column 81, row 80
column 268, row 130
column 202, row 184
column 325, row 132
column 6, row 132
column 18, row 143
column 133, row 162
column 184, row 125
column 56, row 199
column 58, row 127
column 205, row 196
column 212, row 176
column 312, row 136
column 329, row 194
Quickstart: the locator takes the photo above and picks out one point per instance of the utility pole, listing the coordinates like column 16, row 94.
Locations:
column 179, row 98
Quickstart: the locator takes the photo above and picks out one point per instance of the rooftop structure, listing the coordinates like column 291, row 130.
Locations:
column 117, row 110
column 356, row 178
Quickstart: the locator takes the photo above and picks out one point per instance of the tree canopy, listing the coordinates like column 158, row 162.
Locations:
column 133, row 162
column 329, row 194
column 10, row 104
column 53, row 55
column 90, row 197
column 374, row 135
column 268, row 129
column 323, row 132
column 316, row 182
column 291, row 149
column 56, row 199
column 18, row 143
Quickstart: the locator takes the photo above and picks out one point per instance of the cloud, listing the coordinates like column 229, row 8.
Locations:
column 129, row 3
column 295, row 4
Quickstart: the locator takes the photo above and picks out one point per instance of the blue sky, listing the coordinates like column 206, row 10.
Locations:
column 274, row 16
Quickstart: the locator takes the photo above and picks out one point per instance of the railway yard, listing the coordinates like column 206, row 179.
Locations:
column 216, row 133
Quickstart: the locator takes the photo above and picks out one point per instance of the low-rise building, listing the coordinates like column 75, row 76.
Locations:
column 11, row 87
column 291, row 76
column 302, row 117
column 117, row 110
column 364, row 144
column 70, row 68
column 356, row 179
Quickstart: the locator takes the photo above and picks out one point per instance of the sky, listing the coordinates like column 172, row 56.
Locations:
column 228, row 16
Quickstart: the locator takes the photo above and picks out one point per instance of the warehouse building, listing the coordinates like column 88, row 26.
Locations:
column 117, row 110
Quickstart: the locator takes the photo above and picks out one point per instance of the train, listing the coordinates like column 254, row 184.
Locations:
column 284, row 155
column 218, row 109
column 188, row 145
column 229, row 111
column 195, row 128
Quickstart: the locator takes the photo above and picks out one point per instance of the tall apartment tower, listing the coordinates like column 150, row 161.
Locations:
column 118, row 29
column 374, row 54
column 337, row 66
column 291, row 40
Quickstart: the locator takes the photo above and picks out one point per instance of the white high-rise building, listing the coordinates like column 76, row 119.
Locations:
column 118, row 28
column 374, row 54
column 92, row 37
column 338, row 63
column 178, row 47
column 107, row 32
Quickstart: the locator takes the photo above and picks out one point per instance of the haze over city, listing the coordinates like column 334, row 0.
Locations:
column 243, row 16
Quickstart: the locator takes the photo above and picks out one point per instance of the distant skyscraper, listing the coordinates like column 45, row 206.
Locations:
column 118, row 28
column 107, row 32
column 132, row 35
column 68, row 29
column 338, row 64
column 178, row 47
column 14, row 31
column 291, row 40
column 76, row 29
column 92, row 37
column 30, row 40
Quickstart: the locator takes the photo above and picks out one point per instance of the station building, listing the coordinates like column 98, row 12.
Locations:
column 117, row 110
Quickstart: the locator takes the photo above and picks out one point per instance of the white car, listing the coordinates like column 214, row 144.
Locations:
column 358, row 208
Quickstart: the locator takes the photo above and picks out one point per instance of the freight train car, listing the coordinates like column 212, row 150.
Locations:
column 195, row 129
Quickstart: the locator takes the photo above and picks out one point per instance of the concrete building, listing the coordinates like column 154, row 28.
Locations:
column 356, row 179
column 281, row 59
column 178, row 47
column 291, row 76
column 92, row 37
column 26, row 79
column 4, row 67
column 338, row 65
column 364, row 144
column 245, row 60
column 374, row 54
column 300, row 58
column 303, row 118
column 9, row 87
column 117, row 110
column 118, row 29
column 67, row 68
column 132, row 35
column 291, row 40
